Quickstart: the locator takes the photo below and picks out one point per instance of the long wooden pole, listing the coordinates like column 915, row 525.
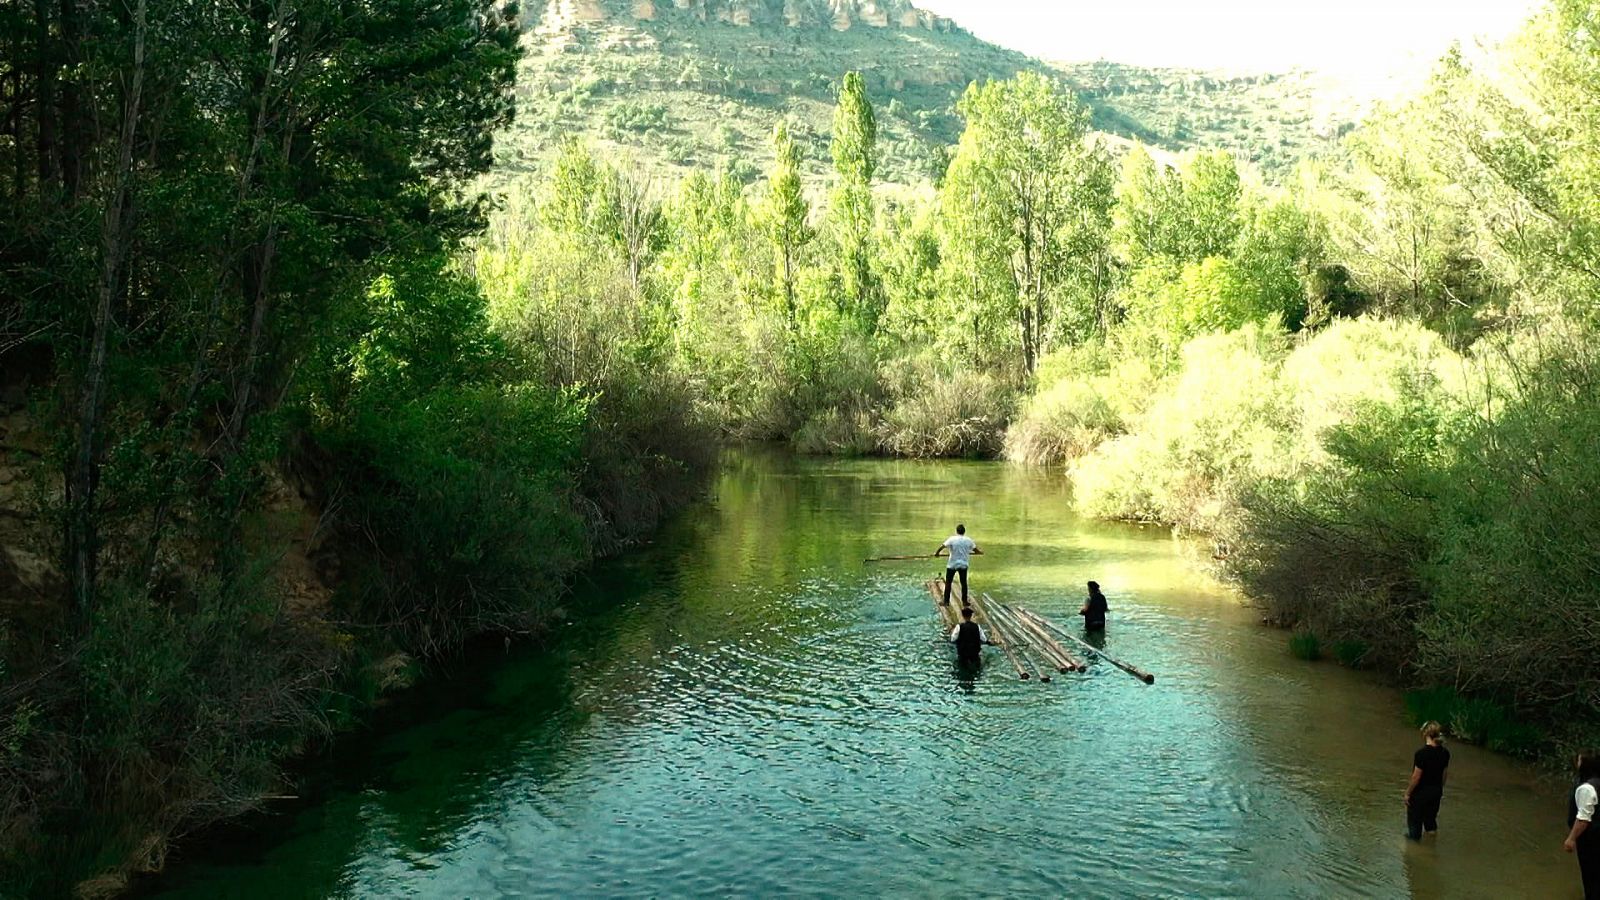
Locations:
column 1019, row 634
column 893, row 558
column 947, row 614
column 1135, row 671
column 1047, row 644
column 1004, row 641
column 1016, row 638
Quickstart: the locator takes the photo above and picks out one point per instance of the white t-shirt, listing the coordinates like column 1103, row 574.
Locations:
column 960, row 547
column 1586, row 796
column 956, row 632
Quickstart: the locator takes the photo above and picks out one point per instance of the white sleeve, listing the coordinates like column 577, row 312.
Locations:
column 955, row 632
column 1586, row 796
column 946, row 543
column 981, row 635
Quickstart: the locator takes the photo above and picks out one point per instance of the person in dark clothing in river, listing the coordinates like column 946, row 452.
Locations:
column 1094, row 609
column 968, row 637
column 1426, row 788
column 1584, row 837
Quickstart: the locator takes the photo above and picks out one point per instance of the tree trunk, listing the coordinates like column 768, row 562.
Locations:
column 258, row 276
column 45, row 128
column 75, row 127
column 198, row 366
column 82, row 539
column 788, row 285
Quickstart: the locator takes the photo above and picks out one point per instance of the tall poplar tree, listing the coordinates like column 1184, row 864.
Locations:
column 785, row 214
column 851, row 209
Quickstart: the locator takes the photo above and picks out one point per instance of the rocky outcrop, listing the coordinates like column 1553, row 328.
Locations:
column 840, row 15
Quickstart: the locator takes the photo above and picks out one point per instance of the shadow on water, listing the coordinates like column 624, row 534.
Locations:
column 967, row 673
column 744, row 708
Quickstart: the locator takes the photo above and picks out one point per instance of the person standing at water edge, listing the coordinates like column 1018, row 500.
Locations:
column 1426, row 788
column 962, row 549
column 1584, row 838
column 968, row 637
column 1094, row 609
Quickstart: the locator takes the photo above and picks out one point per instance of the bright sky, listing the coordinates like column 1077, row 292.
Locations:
column 1362, row 38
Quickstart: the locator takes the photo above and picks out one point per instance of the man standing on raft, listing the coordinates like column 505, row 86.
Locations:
column 961, row 550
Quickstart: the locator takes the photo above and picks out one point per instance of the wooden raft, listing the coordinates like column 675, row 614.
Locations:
column 1031, row 643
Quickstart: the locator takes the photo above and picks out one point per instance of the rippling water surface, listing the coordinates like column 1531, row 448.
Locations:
column 745, row 709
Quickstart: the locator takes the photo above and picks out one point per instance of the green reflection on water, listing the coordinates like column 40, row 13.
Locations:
column 746, row 709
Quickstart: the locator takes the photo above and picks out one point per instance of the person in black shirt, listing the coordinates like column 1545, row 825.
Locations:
column 1094, row 609
column 1426, row 788
column 968, row 637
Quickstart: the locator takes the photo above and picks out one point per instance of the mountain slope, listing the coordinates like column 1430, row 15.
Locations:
column 700, row 83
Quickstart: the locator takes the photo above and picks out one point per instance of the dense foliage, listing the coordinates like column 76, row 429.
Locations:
column 262, row 437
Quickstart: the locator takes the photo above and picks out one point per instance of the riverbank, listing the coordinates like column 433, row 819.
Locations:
column 175, row 708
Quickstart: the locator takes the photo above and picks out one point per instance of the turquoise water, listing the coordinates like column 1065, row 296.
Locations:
column 745, row 709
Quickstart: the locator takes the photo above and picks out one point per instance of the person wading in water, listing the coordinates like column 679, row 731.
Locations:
column 1426, row 787
column 969, row 638
column 1584, row 838
column 962, row 549
column 1094, row 609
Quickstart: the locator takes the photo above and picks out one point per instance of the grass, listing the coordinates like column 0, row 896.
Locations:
column 1476, row 720
column 1351, row 653
column 1305, row 645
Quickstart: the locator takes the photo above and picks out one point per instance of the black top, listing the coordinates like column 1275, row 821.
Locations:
column 969, row 644
column 1432, row 760
column 1095, row 617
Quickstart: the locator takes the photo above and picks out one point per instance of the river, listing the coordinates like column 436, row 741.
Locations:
column 745, row 709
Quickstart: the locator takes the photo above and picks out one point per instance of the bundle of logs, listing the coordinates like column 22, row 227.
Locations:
column 1032, row 644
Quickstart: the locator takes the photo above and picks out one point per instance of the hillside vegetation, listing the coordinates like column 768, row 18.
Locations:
column 686, row 89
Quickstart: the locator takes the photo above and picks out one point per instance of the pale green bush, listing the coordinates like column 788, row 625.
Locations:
column 1361, row 361
column 1086, row 397
column 1215, row 425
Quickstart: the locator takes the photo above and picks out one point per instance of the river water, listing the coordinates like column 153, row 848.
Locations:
column 745, row 709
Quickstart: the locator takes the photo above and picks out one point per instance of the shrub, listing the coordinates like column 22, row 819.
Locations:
column 1305, row 645
column 1475, row 720
column 834, row 432
column 1212, row 428
column 1448, row 524
column 961, row 414
column 170, row 712
column 1351, row 653
column 466, row 498
column 1063, row 423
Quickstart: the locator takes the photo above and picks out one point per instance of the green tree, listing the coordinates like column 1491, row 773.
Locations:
column 785, row 213
column 1396, row 222
column 581, row 197
column 1146, row 216
column 1017, row 191
column 1210, row 212
column 851, row 211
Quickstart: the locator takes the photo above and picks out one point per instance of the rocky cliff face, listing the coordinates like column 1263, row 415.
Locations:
column 840, row 15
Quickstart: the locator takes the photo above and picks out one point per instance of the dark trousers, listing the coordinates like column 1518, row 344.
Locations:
column 1423, row 813
column 1589, row 865
column 949, row 574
